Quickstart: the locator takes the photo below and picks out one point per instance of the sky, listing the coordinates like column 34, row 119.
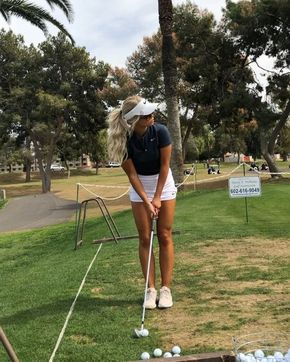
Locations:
column 110, row 30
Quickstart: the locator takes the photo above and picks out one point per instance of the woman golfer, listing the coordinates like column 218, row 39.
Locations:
column 144, row 150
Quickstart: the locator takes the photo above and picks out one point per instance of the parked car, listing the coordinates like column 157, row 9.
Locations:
column 113, row 164
column 57, row 168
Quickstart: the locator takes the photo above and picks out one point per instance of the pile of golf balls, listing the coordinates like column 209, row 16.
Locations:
column 260, row 356
column 175, row 352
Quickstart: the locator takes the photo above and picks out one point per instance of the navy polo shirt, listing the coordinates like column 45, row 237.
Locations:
column 145, row 150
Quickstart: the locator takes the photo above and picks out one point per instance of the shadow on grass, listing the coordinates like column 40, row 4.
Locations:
column 83, row 304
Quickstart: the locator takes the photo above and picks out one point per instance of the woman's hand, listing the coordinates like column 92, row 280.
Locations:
column 151, row 209
column 156, row 202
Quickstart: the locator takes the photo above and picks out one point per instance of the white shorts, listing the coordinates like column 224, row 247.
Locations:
column 149, row 183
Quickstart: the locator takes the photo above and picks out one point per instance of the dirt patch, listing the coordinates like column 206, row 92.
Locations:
column 116, row 199
column 81, row 339
column 216, row 307
column 96, row 290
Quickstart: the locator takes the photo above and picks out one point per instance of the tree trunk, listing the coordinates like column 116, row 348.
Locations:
column 185, row 138
column 267, row 156
column 27, row 160
column 170, row 82
column 45, row 172
column 67, row 167
column 46, row 180
column 285, row 156
column 268, row 143
column 278, row 128
column 27, row 165
column 50, row 149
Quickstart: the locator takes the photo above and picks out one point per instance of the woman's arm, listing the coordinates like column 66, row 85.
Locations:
column 130, row 170
column 165, row 155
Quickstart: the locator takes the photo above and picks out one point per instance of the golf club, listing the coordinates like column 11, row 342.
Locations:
column 139, row 332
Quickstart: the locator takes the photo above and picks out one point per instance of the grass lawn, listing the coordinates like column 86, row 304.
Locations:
column 15, row 185
column 2, row 203
column 230, row 278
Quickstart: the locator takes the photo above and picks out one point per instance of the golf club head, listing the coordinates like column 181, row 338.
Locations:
column 137, row 333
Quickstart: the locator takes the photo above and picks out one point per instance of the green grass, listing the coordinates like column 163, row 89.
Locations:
column 2, row 203
column 222, row 262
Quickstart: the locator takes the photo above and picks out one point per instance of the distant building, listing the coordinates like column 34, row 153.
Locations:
column 82, row 162
column 234, row 157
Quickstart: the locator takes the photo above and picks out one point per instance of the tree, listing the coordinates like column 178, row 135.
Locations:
column 212, row 86
column 145, row 67
column 35, row 14
column 56, row 96
column 11, row 72
column 10, row 154
column 118, row 86
column 262, row 27
column 170, row 82
column 96, row 148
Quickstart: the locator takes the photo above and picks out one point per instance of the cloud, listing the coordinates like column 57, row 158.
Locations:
column 110, row 30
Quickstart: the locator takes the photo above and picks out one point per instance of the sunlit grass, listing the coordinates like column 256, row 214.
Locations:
column 230, row 277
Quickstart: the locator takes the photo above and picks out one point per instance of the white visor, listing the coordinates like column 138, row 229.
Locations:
column 143, row 108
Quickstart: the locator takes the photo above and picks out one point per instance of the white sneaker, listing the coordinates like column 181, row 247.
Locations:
column 150, row 300
column 165, row 298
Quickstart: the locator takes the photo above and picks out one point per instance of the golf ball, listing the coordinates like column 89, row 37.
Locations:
column 259, row 353
column 167, row 355
column 249, row 358
column 176, row 350
column 278, row 356
column 176, row 355
column 144, row 332
column 145, row 355
column 241, row 357
column 157, row 352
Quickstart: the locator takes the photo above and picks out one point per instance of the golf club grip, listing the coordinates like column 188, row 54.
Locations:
column 153, row 223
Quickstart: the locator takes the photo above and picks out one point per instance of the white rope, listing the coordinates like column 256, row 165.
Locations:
column 192, row 171
column 265, row 172
column 102, row 197
column 104, row 186
column 212, row 178
column 72, row 307
column 231, row 172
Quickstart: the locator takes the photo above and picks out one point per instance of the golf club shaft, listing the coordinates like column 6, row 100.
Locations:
column 148, row 269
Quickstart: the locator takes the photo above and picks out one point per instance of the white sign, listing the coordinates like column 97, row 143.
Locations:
column 246, row 186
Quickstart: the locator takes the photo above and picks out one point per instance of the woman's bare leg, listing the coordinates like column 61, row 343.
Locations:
column 166, row 247
column 143, row 224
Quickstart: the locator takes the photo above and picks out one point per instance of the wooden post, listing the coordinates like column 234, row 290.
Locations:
column 2, row 194
column 8, row 346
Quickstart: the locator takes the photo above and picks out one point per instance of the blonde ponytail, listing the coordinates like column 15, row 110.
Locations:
column 119, row 129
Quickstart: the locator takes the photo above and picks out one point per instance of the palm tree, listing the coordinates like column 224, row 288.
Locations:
column 35, row 14
column 169, row 69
